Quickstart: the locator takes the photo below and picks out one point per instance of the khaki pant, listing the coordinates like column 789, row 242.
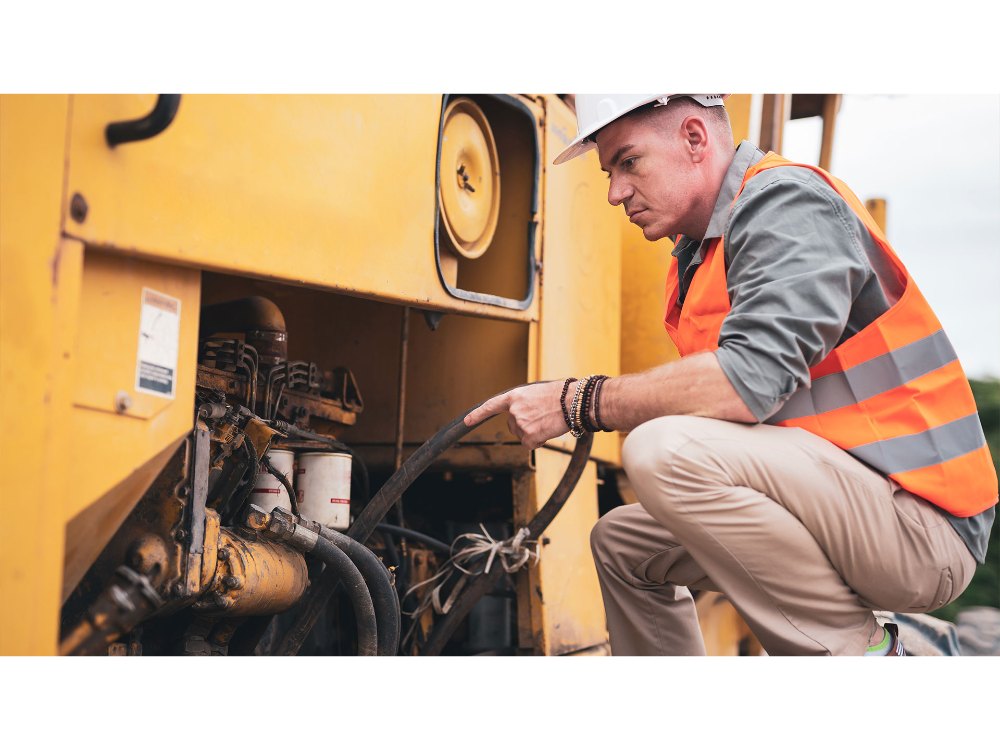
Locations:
column 802, row 538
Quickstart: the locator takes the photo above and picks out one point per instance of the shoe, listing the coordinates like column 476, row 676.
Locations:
column 895, row 645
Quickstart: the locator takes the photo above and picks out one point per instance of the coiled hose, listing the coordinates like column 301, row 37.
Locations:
column 390, row 493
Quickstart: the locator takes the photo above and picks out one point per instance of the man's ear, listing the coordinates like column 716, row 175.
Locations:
column 695, row 133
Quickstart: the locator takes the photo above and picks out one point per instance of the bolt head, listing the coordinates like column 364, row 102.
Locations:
column 223, row 554
column 123, row 402
column 78, row 208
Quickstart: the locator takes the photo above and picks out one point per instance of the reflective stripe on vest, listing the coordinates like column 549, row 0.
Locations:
column 893, row 395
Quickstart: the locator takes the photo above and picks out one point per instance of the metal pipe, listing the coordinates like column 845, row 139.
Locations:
column 416, row 536
column 404, row 349
column 126, row 602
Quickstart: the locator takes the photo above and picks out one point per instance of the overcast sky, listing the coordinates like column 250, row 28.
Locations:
column 936, row 161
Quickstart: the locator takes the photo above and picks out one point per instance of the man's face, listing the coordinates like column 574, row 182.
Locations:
column 648, row 175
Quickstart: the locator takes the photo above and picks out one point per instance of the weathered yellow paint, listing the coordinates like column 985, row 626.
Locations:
column 276, row 194
column 32, row 155
column 109, row 445
column 739, row 108
column 561, row 610
column 644, row 342
column 334, row 192
column 580, row 314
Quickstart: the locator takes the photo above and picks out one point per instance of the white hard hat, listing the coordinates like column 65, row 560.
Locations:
column 594, row 111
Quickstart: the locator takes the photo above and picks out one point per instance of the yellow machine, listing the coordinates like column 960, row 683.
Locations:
column 191, row 285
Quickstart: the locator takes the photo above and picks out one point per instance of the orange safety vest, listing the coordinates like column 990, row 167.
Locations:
column 893, row 395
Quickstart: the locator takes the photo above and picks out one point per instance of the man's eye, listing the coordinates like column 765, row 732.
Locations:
column 629, row 162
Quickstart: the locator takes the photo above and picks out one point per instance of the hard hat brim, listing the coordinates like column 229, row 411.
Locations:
column 584, row 141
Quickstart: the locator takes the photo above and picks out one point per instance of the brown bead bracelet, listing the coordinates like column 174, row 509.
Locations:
column 562, row 402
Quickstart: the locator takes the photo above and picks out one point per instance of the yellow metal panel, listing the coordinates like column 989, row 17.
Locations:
column 330, row 191
column 109, row 446
column 92, row 528
column 32, row 155
column 644, row 341
column 580, row 314
column 564, row 613
column 738, row 106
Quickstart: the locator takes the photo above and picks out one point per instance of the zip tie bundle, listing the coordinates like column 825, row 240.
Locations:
column 513, row 554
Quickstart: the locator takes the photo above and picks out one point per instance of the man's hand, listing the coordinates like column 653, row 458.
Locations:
column 534, row 412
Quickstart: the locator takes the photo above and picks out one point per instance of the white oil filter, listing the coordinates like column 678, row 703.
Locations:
column 323, row 485
column 268, row 493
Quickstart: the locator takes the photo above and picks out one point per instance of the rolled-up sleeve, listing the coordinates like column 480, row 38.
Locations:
column 795, row 267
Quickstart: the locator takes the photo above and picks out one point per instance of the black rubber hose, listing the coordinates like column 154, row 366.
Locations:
column 380, row 586
column 416, row 536
column 484, row 583
column 387, row 496
column 284, row 482
column 341, row 568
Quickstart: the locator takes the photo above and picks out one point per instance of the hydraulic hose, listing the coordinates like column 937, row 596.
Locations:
column 284, row 483
column 393, row 489
column 484, row 583
column 380, row 585
column 282, row 525
column 339, row 564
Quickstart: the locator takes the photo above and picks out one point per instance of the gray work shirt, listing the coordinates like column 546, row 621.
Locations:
column 804, row 275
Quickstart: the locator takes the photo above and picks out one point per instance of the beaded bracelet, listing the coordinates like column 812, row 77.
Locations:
column 597, row 405
column 577, row 430
column 562, row 402
column 588, row 400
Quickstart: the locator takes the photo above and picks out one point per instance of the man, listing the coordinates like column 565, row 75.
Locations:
column 790, row 310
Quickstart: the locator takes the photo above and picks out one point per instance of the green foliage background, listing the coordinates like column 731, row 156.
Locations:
column 985, row 587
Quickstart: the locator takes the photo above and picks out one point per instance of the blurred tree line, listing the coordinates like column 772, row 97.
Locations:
column 985, row 587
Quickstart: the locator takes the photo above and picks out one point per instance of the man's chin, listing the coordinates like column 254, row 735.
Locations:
column 653, row 234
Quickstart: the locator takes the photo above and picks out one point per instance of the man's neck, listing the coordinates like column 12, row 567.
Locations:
column 706, row 205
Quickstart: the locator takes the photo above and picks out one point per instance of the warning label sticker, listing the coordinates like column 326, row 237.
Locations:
column 159, row 340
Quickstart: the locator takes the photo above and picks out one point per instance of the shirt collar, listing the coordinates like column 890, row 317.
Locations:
column 746, row 156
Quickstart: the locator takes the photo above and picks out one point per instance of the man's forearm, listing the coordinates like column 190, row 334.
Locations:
column 694, row 385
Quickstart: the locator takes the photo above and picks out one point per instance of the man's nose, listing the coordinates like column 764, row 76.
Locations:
column 619, row 191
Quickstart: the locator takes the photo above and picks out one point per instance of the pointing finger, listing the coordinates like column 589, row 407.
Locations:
column 487, row 409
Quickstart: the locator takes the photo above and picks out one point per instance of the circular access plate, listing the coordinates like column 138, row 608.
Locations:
column 469, row 178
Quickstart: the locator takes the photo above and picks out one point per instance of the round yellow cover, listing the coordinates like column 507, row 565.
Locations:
column 470, row 178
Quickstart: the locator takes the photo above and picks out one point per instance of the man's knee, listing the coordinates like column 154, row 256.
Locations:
column 652, row 450
column 608, row 534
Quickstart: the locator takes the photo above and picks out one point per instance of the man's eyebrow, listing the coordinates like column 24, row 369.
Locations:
column 618, row 155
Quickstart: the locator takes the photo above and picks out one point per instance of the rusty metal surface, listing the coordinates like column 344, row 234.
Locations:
column 253, row 577
column 559, row 600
